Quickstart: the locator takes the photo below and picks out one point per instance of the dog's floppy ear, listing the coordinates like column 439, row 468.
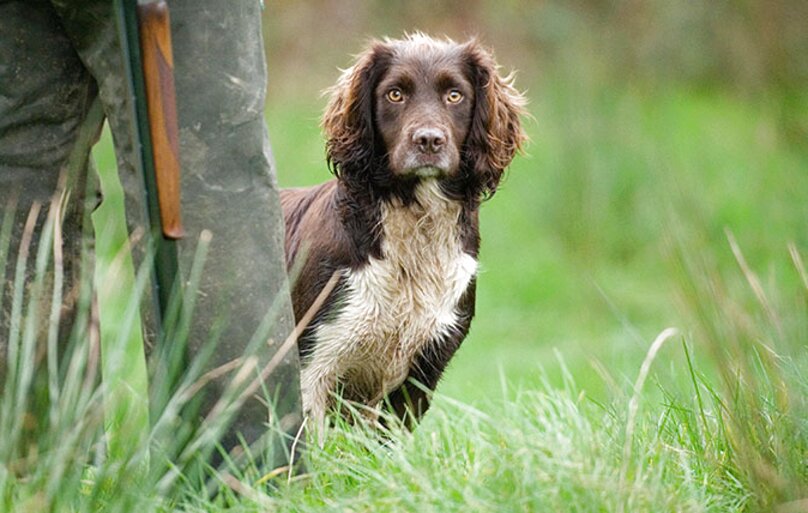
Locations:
column 351, row 145
column 496, row 132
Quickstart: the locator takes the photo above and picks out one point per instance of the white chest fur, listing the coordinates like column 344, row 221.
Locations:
column 393, row 306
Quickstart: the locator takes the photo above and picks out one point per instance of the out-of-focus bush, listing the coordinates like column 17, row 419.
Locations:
column 748, row 44
column 751, row 47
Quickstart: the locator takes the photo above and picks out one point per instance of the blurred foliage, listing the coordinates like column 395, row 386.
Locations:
column 752, row 47
column 651, row 118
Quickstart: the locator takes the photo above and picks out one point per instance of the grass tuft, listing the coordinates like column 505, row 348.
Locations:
column 634, row 210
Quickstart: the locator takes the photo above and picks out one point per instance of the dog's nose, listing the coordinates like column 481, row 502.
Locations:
column 429, row 140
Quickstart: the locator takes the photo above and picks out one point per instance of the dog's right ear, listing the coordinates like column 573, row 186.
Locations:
column 351, row 145
column 496, row 129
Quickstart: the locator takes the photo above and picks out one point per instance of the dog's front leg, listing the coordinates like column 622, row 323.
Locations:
column 412, row 399
column 409, row 402
column 317, row 390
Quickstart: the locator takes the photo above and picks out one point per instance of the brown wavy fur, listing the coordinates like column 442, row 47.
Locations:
column 338, row 225
column 355, row 152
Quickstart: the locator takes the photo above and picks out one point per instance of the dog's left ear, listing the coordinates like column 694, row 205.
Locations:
column 496, row 128
column 348, row 118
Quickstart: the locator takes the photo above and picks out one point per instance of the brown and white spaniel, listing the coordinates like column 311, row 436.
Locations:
column 418, row 132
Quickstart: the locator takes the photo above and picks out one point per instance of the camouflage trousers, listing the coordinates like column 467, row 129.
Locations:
column 58, row 57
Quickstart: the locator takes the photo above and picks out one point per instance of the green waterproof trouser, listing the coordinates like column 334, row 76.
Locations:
column 56, row 58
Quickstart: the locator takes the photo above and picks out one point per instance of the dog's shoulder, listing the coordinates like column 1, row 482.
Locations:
column 316, row 241
column 302, row 202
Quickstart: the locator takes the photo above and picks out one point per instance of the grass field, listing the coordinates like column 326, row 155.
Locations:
column 617, row 224
column 634, row 210
column 577, row 243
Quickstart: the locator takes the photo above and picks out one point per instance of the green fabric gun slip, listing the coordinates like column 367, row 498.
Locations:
column 78, row 62
column 242, row 313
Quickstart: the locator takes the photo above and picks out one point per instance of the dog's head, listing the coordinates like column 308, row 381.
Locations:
column 419, row 107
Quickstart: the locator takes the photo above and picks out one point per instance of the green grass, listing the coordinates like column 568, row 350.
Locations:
column 575, row 243
column 633, row 210
column 582, row 256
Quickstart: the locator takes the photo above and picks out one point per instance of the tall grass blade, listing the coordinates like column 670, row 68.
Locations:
column 633, row 404
column 123, row 354
column 55, row 213
column 10, row 210
column 12, row 411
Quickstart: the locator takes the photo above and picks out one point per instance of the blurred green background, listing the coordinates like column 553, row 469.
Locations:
column 656, row 125
column 660, row 130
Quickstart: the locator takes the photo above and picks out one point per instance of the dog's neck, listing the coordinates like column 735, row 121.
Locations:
column 417, row 212
column 417, row 234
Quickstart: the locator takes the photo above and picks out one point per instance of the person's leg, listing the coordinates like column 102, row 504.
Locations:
column 227, row 184
column 229, row 188
column 45, row 94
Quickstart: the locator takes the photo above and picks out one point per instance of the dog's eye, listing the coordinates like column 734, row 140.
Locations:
column 395, row 95
column 454, row 96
